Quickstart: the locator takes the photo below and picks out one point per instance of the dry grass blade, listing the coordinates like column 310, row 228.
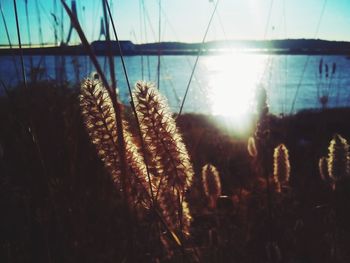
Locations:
column 113, row 96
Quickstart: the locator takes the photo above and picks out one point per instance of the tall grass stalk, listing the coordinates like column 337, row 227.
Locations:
column 143, row 149
column 113, row 95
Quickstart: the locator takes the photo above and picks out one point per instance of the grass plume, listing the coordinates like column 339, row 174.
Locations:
column 281, row 165
column 211, row 184
column 97, row 111
column 99, row 118
column 162, row 137
column 169, row 158
column 338, row 157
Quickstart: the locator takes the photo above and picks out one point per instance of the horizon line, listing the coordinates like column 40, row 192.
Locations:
column 31, row 45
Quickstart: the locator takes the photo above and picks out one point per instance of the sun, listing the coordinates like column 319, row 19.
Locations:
column 232, row 83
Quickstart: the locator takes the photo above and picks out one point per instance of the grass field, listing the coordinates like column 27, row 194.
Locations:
column 59, row 203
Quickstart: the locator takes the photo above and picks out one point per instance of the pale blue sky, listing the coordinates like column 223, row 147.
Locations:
column 186, row 20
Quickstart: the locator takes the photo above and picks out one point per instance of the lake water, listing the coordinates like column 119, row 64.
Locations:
column 222, row 84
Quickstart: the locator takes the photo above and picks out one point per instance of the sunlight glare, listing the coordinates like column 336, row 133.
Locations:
column 232, row 84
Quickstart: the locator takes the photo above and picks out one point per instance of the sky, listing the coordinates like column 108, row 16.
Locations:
column 185, row 20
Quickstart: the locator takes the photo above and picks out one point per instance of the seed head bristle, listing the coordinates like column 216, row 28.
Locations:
column 186, row 218
column 99, row 118
column 168, row 153
column 139, row 179
column 175, row 212
column 338, row 158
column 168, row 156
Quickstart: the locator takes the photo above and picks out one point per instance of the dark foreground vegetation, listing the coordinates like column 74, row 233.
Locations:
column 58, row 202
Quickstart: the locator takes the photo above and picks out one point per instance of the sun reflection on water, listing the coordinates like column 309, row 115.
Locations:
column 232, row 84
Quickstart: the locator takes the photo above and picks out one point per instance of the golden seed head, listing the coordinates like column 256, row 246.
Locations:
column 168, row 156
column 163, row 141
column 99, row 118
column 100, row 122
column 338, row 157
column 211, row 183
column 281, row 165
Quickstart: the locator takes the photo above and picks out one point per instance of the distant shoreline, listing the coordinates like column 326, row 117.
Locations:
column 277, row 47
column 74, row 51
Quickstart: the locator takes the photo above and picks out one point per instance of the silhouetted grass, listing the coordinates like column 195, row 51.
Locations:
column 70, row 211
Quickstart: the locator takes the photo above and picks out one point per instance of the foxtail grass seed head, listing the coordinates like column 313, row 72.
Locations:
column 100, row 122
column 186, row 218
column 99, row 118
column 211, row 183
column 139, row 179
column 175, row 212
column 164, row 142
column 281, row 165
column 338, row 157
column 251, row 147
column 168, row 156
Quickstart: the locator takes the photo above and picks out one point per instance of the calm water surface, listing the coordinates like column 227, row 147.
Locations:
column 222, row 84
